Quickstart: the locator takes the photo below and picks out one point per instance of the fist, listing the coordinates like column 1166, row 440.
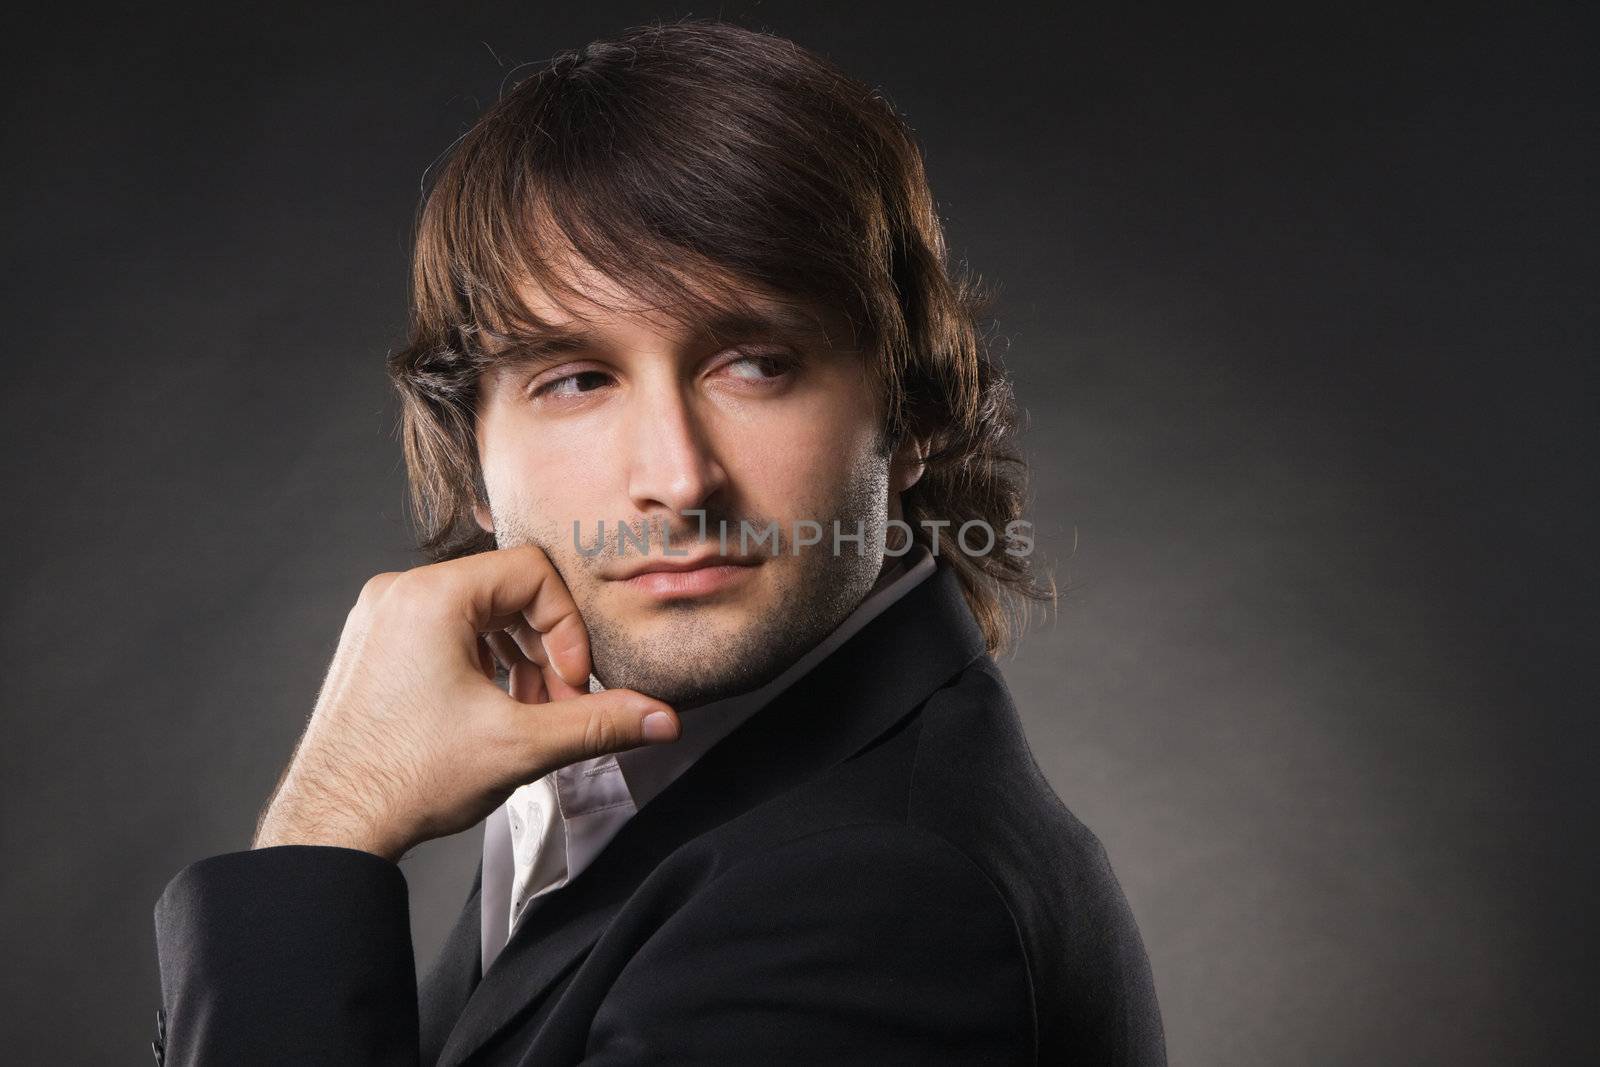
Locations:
column 411, row 737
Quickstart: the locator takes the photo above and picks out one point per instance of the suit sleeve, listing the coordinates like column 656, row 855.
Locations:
column 876, row 944
column 293, row 954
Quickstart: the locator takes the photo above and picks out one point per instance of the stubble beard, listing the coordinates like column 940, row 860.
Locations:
column 686, row 660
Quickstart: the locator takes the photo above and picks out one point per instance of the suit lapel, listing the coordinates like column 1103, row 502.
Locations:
column 863, row 688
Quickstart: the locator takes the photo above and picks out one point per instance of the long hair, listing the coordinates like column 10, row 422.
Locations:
column 697, row 162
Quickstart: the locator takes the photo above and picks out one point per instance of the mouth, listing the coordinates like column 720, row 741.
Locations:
column 682, row 579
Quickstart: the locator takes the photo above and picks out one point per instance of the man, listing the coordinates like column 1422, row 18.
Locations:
column 708, row 456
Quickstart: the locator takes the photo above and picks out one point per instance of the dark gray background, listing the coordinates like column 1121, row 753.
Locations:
column 1301, row 304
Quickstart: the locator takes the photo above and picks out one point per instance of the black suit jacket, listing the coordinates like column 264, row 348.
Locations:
column 871, row 869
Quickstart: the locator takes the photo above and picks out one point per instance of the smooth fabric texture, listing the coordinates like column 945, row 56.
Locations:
column 872, row 869
column 549, row 830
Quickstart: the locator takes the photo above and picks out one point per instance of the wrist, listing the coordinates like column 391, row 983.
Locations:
column 288, row 824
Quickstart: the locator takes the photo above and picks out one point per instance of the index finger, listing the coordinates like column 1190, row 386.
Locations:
column 494, row 588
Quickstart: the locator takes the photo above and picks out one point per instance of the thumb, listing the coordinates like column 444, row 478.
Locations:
column 559, row 732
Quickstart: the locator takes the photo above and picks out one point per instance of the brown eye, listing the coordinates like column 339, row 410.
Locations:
column 573, row 384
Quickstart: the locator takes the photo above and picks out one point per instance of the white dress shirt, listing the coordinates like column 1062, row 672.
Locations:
column 550, row 830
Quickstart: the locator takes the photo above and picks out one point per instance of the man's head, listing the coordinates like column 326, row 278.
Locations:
column 698, row 270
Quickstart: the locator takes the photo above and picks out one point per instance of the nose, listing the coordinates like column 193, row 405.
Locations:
column 673, row 467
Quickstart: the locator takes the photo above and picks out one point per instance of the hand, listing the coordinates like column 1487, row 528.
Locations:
column 411, row 738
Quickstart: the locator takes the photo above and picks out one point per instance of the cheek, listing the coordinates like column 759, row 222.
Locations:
column 802, row 459
column 540, row 474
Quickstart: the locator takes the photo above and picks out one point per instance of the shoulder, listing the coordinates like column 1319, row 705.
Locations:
column 976, row 782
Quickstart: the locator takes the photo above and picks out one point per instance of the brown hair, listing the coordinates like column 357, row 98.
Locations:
column 698, row 161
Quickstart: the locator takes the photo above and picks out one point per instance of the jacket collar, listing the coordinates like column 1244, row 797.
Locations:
column 881, row 674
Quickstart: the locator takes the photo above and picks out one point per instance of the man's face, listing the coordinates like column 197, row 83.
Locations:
column 642, row 420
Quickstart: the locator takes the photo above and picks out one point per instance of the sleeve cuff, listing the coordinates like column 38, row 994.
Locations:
column 288, row 951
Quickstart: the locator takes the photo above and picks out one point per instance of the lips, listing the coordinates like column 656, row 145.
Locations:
column 682, row 578
column 679, row 566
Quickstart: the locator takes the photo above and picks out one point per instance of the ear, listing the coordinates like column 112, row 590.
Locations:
column 484, row 519
column 907, row 464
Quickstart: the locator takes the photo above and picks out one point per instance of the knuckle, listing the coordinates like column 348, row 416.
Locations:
column 600, row 733
column 372, row 591
column 376, row 586
column 416, row 585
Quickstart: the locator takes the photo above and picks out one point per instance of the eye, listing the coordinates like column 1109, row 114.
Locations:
column 760, row 366
column 584, row 381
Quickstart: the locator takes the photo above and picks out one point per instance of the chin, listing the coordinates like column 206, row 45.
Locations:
column 686, row 665
column 686, row 676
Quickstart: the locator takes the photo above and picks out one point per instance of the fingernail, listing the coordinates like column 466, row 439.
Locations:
column 658, row 726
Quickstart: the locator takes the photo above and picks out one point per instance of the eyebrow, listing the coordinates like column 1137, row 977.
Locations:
column 545, row 345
